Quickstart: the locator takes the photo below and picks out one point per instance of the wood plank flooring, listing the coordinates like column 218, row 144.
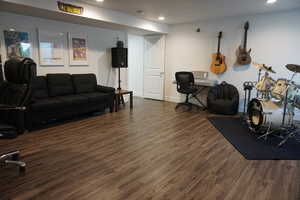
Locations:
column 151, row 152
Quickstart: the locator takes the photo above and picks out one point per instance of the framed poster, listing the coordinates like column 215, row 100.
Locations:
column 78, row 49
column 17, row 43
column 51, row 48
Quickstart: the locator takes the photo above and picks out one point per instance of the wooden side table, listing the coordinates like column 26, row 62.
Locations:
column 120, row 99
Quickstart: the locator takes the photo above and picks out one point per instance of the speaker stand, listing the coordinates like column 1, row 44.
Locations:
column 119, row 76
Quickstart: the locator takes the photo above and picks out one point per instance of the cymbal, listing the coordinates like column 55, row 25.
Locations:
column 293, row 68
column 264, row 67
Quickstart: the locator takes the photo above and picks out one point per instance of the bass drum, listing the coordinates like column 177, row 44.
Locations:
column 265, row 114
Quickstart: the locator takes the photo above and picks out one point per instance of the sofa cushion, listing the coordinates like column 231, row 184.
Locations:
column 50, row 104
column 60, row 84
column 71, row 100
column 95, row 97
column 84, row 83
column 39, row 87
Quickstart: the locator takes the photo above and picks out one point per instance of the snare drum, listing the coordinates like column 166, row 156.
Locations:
column 265, row 84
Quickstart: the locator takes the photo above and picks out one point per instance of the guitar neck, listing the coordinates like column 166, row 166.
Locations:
column 245, row 39
column 219, row 46
column 219, row 43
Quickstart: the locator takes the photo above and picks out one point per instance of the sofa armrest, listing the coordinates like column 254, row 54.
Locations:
column 105, row 89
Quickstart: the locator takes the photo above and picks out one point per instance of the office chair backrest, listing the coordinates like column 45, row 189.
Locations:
column 184, row 80
column 16, row 90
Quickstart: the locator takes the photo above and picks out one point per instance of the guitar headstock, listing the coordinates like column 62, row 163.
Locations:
column 220, row 34
column 246, row 26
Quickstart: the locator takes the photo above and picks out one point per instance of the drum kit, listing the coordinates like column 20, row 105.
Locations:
column 273, row 109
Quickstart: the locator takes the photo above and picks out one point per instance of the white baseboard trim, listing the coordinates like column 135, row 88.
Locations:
column 172, row 99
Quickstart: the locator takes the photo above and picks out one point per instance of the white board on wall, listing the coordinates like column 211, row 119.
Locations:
column 51, row 48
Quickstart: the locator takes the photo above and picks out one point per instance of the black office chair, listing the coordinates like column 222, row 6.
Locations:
column 186, row 85
column 14, row 97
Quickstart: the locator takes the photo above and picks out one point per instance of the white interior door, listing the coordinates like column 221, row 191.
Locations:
column 154, row 67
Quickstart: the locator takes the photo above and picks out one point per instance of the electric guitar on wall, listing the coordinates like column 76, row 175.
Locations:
column 243, row 55
column 218, row 65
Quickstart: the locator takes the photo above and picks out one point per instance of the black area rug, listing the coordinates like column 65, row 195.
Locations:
column 238, row 134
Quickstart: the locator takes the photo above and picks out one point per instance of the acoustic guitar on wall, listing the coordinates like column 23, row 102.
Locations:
column 243, row 55
column 218, row 65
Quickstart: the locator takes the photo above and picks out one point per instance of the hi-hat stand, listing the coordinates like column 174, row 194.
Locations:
column 259, row 76
column 248, row 87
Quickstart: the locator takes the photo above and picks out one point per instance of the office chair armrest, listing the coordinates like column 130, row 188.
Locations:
column 9, row 107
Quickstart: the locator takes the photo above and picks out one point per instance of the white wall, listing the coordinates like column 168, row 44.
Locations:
column 136, row 64
column 274, row 39
column 99, row 42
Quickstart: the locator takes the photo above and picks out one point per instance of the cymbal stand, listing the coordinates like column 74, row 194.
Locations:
column 285, row 107
column 290, row 130
column 293, row 76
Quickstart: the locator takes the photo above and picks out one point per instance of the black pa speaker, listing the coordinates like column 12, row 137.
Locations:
column 119, row 57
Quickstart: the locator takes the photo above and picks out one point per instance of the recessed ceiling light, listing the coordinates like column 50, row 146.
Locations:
column 271, row 1
column 99, row 0
column 161, row 18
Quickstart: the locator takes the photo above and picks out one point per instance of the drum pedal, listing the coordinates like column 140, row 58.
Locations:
column 269, row 132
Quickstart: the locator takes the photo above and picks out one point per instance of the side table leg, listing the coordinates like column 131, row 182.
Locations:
column 122, row 99
column 131, row 100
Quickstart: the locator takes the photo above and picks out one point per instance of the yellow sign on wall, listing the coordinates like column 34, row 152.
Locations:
column 70, row 8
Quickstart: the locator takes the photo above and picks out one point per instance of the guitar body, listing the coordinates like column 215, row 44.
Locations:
column 218, row 65
column 243, row 56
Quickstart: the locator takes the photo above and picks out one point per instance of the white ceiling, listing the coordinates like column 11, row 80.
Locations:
column 181, row 11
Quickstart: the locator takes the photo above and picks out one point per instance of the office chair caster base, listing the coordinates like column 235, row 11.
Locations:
column 200, row 107
column 188, row 105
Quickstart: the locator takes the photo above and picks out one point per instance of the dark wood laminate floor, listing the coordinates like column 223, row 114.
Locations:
column 152, row 152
